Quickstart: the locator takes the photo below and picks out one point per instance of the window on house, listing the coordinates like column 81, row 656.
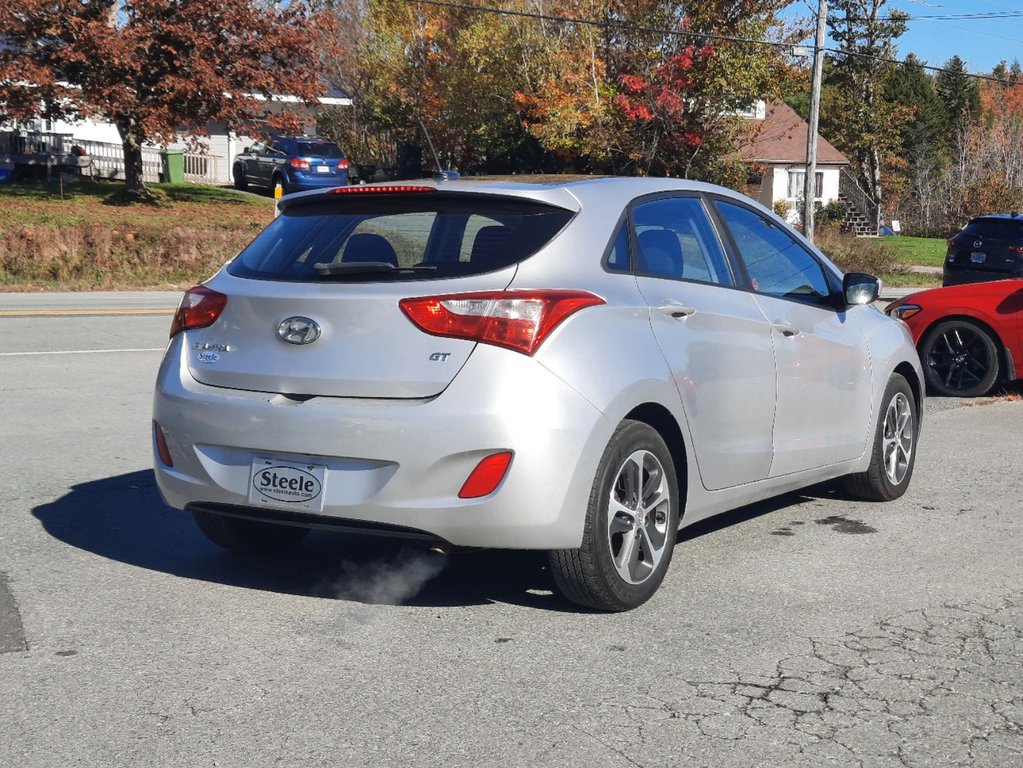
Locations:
column 796, row 182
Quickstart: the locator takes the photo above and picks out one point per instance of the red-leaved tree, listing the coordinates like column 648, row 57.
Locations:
column 156, row 68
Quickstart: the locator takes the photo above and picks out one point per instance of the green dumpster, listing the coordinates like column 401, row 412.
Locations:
column 173, row 161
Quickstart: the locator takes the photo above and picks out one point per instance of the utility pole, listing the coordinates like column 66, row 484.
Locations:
column 810, row 182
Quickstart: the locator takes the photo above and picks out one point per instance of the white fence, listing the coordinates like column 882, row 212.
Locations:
column 107, row 160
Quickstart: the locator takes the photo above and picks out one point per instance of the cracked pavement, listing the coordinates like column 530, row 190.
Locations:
column 862, row 699
column 811, row 630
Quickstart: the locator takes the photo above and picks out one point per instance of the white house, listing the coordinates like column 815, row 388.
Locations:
column 777, row 142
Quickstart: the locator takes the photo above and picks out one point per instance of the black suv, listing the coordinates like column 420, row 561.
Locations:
column 988, row 248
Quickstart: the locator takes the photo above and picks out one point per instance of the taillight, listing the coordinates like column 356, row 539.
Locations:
column 1016, row 248
column 199, row 308
column 342, row 165
column 518, row 320
column 299, row 164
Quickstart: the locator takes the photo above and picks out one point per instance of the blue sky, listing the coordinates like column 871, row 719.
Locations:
column 981, row 43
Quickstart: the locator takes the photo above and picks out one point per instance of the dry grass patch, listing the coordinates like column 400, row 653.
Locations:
column 80, row 242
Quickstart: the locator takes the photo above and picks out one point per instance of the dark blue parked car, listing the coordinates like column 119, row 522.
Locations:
column 297, row 163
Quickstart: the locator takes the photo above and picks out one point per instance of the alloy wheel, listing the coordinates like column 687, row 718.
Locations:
column 959, row 359
column 898, row 438
column 639, row 507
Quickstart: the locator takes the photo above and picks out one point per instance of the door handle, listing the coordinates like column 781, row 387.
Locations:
column 785, row 329
column 676, row 310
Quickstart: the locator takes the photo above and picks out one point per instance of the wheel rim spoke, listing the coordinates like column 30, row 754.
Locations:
column 960, row 360
column 897, row 438
column 637, row 517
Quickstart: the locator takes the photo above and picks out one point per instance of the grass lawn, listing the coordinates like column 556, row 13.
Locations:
column 917, row 251
column 72, row 239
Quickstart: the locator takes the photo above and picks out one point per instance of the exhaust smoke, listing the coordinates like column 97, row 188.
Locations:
column 390, row 581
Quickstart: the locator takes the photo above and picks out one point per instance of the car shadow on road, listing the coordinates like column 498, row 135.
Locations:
column 123, row 519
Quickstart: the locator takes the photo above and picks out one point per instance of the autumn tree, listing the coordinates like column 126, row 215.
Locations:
column 157, row 67
column 855, row 116
column 650, row 86
column 431, row 74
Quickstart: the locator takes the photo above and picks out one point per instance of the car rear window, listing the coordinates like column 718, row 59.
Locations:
column 1002, row 229
column 398, row 237
column 317, row 149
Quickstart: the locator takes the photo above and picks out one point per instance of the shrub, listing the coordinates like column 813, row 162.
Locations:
column 859, row 254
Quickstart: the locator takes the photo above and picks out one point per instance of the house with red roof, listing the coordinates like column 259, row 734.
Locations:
column 776, row 145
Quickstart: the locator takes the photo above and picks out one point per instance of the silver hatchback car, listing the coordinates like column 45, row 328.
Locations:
column 580, row 366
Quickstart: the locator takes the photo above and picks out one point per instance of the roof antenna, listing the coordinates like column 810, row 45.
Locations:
column 441, row 174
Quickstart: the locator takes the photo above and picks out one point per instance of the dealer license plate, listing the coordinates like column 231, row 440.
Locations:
column 978, row 257
column 287, row 484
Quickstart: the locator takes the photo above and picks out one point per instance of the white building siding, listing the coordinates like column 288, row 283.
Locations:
column 780, row 188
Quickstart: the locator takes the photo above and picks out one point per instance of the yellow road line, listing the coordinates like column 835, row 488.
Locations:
column 80, row 312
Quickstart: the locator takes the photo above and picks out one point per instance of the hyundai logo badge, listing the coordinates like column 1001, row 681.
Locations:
column 298, row 330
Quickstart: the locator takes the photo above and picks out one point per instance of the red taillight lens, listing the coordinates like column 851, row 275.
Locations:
column 299, row 163
column 1016, row 248
column 487, row 475
column 342, row 165
column 199, row 308
column 518, row 320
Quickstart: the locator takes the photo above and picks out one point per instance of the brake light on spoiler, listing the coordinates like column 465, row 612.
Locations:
column 385, row 189
column 516, row 320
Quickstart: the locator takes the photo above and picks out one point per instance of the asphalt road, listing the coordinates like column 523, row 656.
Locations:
column 808, row 631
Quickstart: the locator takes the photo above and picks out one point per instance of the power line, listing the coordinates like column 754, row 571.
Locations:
column 626, row 27
column 955, row 16
column 606, row 24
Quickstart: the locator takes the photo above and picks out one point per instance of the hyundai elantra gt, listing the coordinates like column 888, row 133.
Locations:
column 580, row 366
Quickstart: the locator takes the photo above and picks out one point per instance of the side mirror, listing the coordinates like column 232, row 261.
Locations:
column 858, row 288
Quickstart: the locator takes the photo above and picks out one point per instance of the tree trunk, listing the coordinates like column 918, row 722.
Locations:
column 132, row 138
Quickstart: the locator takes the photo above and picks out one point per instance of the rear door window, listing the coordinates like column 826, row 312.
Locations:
column 676, row 239
column 398, row 237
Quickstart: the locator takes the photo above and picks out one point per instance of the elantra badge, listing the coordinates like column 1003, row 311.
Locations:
column 298, row 330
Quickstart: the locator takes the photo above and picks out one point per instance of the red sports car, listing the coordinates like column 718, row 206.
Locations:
column 969, row 336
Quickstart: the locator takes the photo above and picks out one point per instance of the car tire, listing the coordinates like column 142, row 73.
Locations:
column 248, row 537
column 630, row 527
column 240, row 182
column 893, row 451
column 960, row 359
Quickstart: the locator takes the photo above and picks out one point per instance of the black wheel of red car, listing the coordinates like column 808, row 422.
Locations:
column 960, row 359
column 240, row 182
column 248, row 537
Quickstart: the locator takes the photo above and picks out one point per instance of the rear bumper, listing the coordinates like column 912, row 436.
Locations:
column 304, row 182
column 397, row 464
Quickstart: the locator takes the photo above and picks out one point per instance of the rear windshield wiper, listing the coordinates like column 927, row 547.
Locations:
column 342, row 269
